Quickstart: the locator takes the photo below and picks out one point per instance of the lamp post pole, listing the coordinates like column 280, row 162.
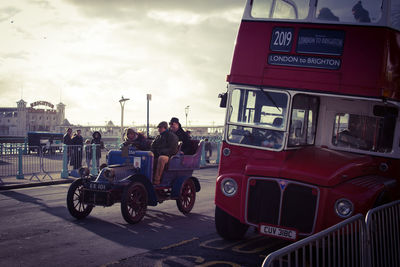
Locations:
column 148, row 100
column 186, row 113
column 122, row 103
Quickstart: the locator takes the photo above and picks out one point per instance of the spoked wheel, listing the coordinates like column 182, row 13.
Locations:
column 187, row 197
column 134, row 202
column 75, row 200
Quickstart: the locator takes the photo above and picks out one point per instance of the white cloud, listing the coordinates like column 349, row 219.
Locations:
column 92, row 52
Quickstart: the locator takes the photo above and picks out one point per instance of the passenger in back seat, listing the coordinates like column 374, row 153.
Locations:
column 183, row 136
column 164, row 146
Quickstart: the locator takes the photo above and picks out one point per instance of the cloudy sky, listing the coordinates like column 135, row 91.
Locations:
column 89, row 53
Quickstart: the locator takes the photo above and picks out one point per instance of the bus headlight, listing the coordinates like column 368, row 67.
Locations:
column 229, row 187
column 344, row 208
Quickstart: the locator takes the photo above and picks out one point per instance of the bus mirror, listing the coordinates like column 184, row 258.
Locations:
column 224, row 97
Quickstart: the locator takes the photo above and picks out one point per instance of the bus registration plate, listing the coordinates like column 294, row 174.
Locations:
column 284, row 233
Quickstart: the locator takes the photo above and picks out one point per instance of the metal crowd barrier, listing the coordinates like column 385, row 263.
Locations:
column 339, row 245
column 35, row 161
column 30, row 163
column 383, row 231
column 8, row 165
column 41, row 160
column 372, row 242
column 76, row 156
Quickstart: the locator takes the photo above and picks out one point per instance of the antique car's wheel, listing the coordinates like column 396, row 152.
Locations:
column 229, row 227
column 134, row 202
column 75, row 204
column 187, row 197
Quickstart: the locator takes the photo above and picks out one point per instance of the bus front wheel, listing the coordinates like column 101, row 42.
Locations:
column 229, row 227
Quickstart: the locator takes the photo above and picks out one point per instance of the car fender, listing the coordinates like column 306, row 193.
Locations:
column 177, row 184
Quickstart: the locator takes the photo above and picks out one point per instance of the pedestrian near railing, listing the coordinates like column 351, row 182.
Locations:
column 211, row 151
column 73, row 156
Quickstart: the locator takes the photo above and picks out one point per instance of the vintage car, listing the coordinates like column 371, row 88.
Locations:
column 127, row 178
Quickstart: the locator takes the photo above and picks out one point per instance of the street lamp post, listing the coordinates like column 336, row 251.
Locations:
column 148, row 100
column 122, row 103
column 186, row 113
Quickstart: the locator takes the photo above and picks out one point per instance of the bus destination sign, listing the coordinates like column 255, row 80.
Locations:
column 304, row 61
column 323, row 42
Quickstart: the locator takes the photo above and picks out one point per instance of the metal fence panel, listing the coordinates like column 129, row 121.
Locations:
column 340, row 245
column 31, row 162
column 8, row 165
column 383, row 232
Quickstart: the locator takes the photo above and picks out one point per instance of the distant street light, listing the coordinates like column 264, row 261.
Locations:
column 186, row 113
column 148, row 100
column 122, row 103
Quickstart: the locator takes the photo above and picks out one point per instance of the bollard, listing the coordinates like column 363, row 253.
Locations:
column 20, row 173
column 94, row 170
column 203, row 155
column 218, row 151
column 64, row 171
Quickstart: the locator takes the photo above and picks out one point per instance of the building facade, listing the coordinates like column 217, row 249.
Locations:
column 38, row 116
column 44, row 116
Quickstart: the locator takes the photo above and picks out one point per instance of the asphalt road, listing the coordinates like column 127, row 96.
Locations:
column 37, row 230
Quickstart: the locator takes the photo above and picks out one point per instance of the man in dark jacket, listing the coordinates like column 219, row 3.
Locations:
column 67, row 140
column 99, row 145
column 77, row 142
column 176, row 127
column 164, row 146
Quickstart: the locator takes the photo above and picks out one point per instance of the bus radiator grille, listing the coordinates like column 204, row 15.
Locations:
column 292, row 206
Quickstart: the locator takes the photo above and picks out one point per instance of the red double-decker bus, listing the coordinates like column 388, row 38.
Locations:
column 312, row 125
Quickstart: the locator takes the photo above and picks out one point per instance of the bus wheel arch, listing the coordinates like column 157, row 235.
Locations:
column 229, row 227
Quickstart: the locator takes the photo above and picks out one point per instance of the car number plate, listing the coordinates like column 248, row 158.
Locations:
column 284, row 233
column 97, row 186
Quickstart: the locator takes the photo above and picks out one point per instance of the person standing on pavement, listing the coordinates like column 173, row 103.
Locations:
column 99, row 146
column 88, row 152
column 208, row 150
column 77, row 142
column 67, row 140
column 176, row 127
column 164, row 146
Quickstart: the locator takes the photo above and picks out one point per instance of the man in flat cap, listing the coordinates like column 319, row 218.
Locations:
column 164, row 146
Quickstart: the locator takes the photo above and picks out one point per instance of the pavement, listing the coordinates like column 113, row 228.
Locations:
column 11, row 182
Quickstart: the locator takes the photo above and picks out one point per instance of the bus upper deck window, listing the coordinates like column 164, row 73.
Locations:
column 395, row 15
column 365, row 11
column 280, row 9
